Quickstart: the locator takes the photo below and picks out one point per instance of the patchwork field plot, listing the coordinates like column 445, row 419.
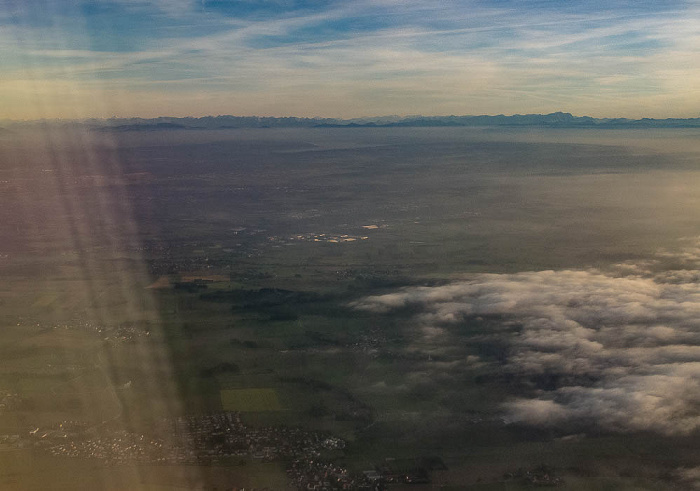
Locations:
column 250, row 400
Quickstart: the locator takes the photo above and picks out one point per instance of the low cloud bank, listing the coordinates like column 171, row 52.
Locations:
column 691, row 476
column 634, row 340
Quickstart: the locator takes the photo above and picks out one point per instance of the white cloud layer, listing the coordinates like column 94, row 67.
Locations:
column 626, row 349
column 690, row 475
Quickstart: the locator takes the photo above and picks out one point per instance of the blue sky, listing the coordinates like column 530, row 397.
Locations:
column 351, row 58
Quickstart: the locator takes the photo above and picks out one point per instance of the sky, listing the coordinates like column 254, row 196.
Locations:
column 348, row 58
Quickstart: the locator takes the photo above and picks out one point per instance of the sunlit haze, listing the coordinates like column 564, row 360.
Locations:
column 349, row 245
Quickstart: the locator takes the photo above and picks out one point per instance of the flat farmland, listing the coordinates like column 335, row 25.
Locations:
column 250, row 400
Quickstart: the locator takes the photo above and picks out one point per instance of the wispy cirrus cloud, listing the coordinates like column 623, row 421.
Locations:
column 388, row 57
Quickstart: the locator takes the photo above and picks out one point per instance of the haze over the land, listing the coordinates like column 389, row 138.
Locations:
column 86, row 58
column 450, row 291
column 454, row 232
column 553, row 120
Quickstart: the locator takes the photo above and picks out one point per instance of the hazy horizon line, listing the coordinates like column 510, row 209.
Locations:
column 395, row 117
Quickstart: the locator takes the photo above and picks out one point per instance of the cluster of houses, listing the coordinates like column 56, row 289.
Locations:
column 540, row 476
column 314, row 475
column 211, row 438
column 312, row 237
column 220, row 435
column 122, row 333
column 223, row 438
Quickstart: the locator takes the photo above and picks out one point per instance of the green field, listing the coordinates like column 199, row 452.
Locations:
column 250, row 400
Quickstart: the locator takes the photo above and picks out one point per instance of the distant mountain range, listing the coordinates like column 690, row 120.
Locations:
column 553, row 120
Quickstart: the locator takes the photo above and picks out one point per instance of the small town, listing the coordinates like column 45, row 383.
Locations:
column 117, row 334
column 219, row 439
